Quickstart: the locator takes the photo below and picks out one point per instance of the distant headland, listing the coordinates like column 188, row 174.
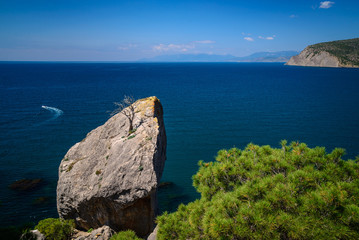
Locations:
column 343, row 53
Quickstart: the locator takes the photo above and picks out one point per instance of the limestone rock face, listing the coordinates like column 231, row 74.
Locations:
column 36, row 234
column 103, row 233
column 153, row 235
column 309, row 58
column 111, row 177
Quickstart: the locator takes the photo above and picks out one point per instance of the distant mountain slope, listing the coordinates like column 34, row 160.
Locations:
column 343, row 53
column 189, row 58
column 282, row 56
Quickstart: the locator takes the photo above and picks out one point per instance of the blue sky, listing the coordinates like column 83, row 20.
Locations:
column 106, row 30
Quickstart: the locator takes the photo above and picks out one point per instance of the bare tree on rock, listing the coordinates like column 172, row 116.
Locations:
column 126, row 108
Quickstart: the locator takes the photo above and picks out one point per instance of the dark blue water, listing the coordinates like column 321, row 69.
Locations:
column 208, row 106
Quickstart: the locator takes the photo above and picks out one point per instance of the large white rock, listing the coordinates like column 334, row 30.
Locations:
column 111, row 177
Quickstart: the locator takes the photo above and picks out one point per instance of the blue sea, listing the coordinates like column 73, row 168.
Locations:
column 47, row 107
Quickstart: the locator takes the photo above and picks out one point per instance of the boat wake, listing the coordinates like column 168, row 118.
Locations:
column 55, row 113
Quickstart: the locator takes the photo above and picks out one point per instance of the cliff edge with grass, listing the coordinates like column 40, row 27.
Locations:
column 111, row 177
column 343, row 53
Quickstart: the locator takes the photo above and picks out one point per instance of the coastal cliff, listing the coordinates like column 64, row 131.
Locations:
column 111, row 177
column 344, row 53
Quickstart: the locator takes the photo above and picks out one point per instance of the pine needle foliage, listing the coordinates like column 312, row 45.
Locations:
column 294, row 192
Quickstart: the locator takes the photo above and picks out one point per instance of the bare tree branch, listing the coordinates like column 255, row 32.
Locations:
column 126, row 108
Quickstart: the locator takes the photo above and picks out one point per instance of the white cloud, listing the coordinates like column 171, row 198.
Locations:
column 249, row 39
column 126, row 47
column 267, row 38
column 326, row 4
column 173, row 47
column 180, row 47
column 205, row 42
column 293, row 16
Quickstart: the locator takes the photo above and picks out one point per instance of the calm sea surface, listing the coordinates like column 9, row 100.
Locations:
column 207, row 106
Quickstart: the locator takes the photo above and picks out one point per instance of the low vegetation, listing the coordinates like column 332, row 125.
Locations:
column 132, row 136
column 293, row 192
column 132, row 131
column 70, row 166
column 347, row 51
column 125, row 235
column 56, row 228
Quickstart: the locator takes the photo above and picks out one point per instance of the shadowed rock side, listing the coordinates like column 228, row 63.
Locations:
column 111, row 177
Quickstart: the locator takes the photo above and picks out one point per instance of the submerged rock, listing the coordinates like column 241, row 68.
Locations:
column 41, row 200
column 26, row 184
column 165, row 184
column 111, row 177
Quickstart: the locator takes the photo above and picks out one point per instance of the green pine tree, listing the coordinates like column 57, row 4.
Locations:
column 294, row 192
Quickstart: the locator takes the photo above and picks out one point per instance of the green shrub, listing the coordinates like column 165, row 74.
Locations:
column 132, row 131
column 132, row 136
column 125, row 235
column 70, row 166
column 264, row 193
column 56, row 228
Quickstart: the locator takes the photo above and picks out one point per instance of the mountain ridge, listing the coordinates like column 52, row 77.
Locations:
column 280, row 56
